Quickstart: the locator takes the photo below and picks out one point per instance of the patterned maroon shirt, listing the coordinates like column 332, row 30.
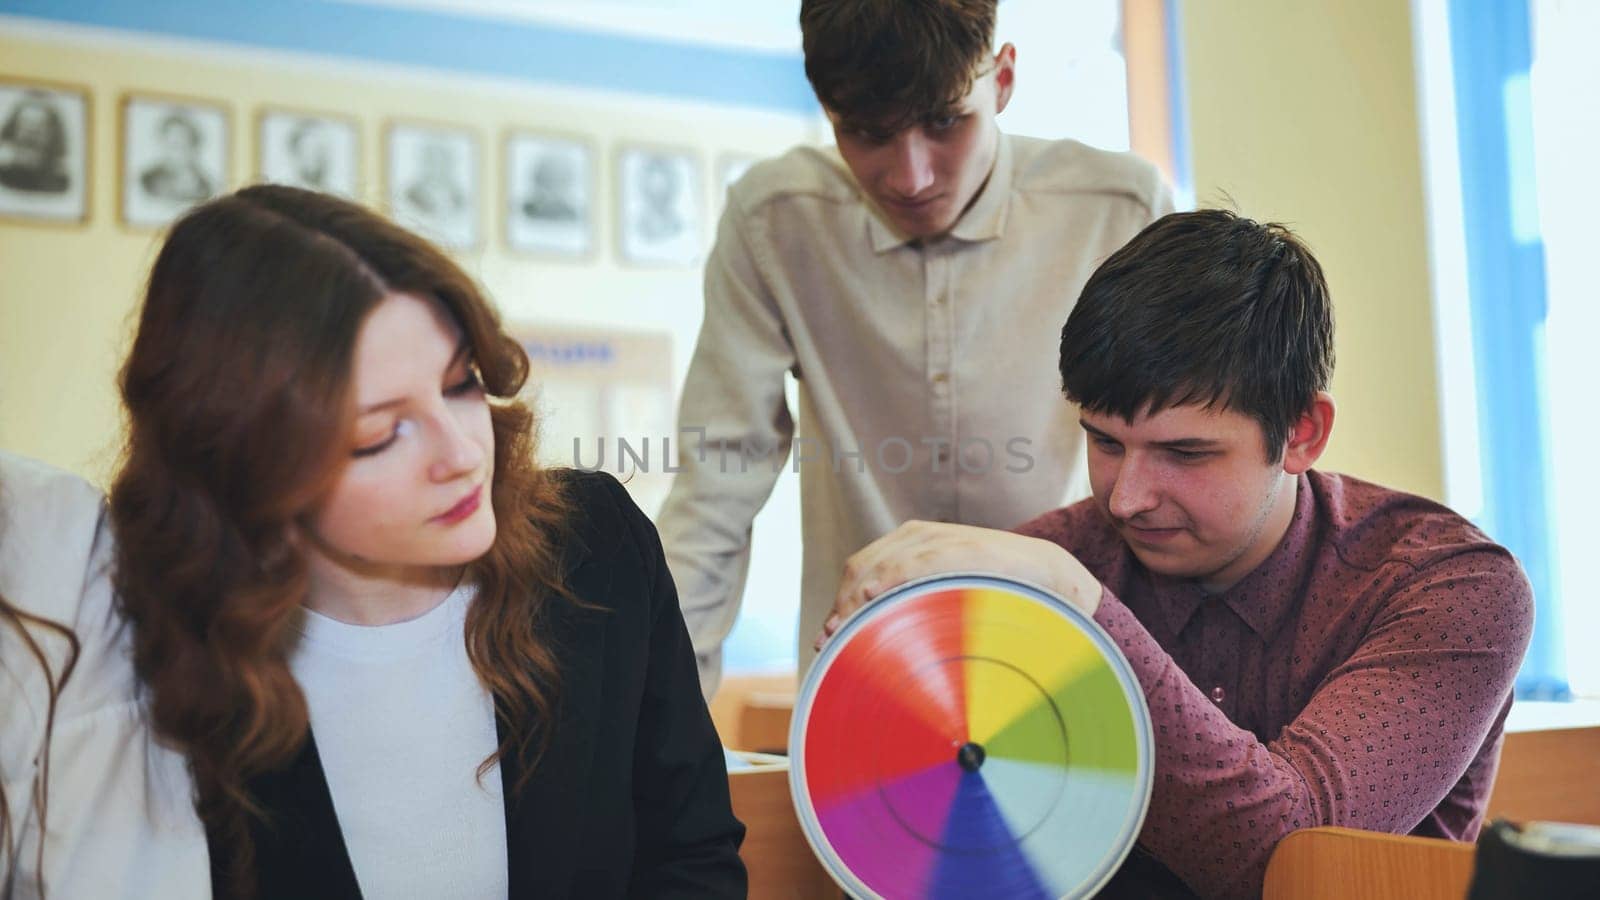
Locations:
column 1360, row 676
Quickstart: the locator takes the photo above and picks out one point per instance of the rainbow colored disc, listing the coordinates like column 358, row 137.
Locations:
column 970, row 736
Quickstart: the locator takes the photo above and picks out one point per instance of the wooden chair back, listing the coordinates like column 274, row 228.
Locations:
column 1337, row 863
column 775, row 852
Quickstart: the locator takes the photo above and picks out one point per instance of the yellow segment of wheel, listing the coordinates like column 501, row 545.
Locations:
column 1032, row 653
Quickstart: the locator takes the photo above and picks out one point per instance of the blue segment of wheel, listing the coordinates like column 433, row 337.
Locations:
column 981, row 857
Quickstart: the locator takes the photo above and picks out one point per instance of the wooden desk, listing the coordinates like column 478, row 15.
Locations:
column 1336, row 863
column 1543, row 775
column 1549, row 775
column 775, row 852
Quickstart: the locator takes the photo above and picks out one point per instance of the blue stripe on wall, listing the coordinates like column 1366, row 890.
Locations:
column 1491, row 50
column 411, row 37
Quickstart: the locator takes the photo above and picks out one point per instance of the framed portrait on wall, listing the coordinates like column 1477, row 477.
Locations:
column 315, row 151
column 431, row 182
column 549, row 185
column 658, row 205
column 44, row 152
column 174, row 155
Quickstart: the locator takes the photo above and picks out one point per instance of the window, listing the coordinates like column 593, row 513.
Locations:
column 1509, row 133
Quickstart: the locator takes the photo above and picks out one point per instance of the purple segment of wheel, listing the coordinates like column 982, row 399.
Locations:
column 887, row 835
column 981, row 857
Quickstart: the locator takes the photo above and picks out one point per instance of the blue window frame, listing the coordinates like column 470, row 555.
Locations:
column 1491, row 55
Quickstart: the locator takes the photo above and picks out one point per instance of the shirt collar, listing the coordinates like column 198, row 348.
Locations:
column 984, row 220
column 1264, row 596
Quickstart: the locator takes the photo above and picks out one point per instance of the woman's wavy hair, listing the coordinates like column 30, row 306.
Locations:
column 24, row 623
column 240, row 414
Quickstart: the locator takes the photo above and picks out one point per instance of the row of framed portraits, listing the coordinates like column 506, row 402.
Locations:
column 176, row 152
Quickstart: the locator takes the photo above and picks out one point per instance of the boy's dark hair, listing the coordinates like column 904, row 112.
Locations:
column 1205, row 308
column 884, row 65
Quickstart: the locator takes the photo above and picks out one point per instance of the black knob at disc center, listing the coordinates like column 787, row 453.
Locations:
column 970, row 757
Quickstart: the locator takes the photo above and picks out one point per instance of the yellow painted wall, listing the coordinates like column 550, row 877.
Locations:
column 67, row 294
column 1301, row 112
column 1305, row 112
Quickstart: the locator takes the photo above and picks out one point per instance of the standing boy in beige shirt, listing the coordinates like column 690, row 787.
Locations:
column 913, row 279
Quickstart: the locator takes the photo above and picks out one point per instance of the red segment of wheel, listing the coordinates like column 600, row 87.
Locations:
column 893, row 703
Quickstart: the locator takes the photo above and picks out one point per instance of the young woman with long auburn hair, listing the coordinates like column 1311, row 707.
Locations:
column 401, row 659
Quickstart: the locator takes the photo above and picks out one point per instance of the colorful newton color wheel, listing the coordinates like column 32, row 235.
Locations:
column 971, row 736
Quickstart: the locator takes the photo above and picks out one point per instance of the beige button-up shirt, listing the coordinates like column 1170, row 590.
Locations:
column 928, row 377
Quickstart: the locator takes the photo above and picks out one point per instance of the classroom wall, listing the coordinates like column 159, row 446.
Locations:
column 1301, row 112
column 1306, row 113
column 68, row 292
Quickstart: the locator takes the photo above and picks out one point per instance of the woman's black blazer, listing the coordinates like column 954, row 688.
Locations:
column 630, row 799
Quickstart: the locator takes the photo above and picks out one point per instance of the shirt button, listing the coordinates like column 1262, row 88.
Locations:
column 940, row 377
column 1217, row 694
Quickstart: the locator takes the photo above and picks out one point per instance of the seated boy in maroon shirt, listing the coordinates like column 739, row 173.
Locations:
column 1315, row 649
